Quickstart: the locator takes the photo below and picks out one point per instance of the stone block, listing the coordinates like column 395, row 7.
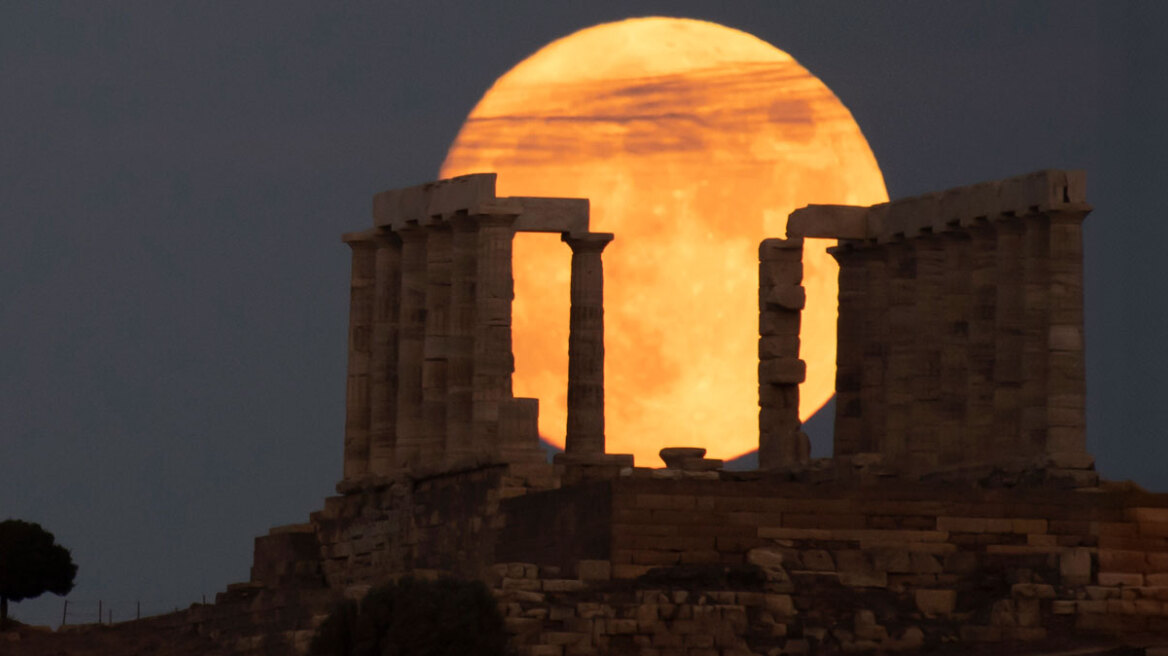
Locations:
column 782, row 371
column 594, row 570
column 1117, row 560
column 933, row 603
column 1120, row 579
column 829, row 222
column 789, row 297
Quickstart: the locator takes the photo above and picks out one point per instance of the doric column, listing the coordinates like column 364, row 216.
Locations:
column 411, row 345
column 357, row 416
column 849, row 355
column 1008, row 337
column 460, row 447
column 875, row 350
column 1066, row 378
column 383, row 383
column 924, row 434
column 979, row 397
column 585, row 431
column 1033, row 422
column 902, row 350
column 494, row 361
column 955, row 309
column 435, row 346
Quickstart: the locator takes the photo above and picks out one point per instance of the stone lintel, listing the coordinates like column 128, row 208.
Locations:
column 829, row 222
column 474, row 194
column 1040, row 192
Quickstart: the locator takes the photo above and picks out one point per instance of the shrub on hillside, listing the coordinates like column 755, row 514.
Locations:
column 415, row 618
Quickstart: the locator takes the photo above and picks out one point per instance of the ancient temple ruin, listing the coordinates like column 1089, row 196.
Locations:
column 960, row 338
column 960, row 510
column 430, row 359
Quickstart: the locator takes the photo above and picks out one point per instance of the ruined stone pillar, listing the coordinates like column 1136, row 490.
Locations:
column 494, row 361
column 356, row 463
column 411, row 347
column 585, row 430
column 849, row 358
column 460, row 342
column 384, row 350
column 1008, row 342
column 781, row 301
column 1066, row 377
column 439, row 241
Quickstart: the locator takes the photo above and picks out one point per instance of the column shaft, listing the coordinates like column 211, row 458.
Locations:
column 902, row 352
column 924, row 437
column 494, row 361
column 384, row 352
column 435, row 345
column 1066, row 384
column 356, row 461
column 849, row 368
column 979, row 398
column 1034, row 421
column 411, row 345
column 956, row 308
column 1008, row 342
column 585, row 429
column 875, row 351
column 460, row 342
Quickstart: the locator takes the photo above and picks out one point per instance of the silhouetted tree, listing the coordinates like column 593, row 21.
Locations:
column 415, row 618
column 31, row 564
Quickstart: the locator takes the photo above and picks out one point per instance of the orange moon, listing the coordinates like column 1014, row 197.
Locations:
column 694, row 141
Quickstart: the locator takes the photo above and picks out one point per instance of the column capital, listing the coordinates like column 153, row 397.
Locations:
column 586, row 242
column 364, row 237
column 413, row 233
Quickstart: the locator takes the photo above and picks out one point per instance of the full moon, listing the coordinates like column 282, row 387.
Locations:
column 694, row 141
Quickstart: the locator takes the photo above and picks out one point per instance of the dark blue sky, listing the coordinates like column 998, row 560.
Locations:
column 174, row 179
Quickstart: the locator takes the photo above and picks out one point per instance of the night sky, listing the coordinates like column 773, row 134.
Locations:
column 174, row 180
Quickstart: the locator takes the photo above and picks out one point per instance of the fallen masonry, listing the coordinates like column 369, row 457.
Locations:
column 960, row 512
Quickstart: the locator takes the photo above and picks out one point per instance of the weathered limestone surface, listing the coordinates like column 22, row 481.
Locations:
column 963, row 312
column 780, row 303
column 430, row 337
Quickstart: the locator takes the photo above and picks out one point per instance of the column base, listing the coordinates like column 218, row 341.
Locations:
column 580, row 467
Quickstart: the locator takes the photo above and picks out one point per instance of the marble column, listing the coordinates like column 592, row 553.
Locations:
column 902, row 351
column 460, row 342
column 411, row 345
column 979, row 395
column 435, row 344
column 384, row 353
column 494, row 362
column 1008, row 343
column 924, row 418
column 955, row 309
column 1066, row 378
column 1033, row 419
column 781, row 298
column 875, row 350
column 585, row 430
column 356, row 461
column 849, row 355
